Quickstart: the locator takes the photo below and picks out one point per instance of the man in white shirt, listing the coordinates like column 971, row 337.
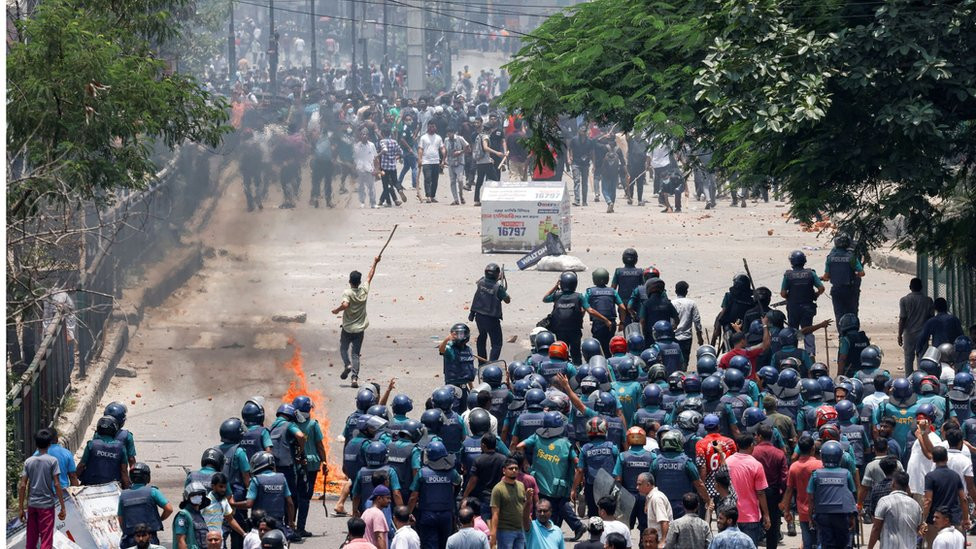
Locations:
column 406, row 537
column 367, row 168
column 688, row 316
column 918, row 464
column 960, row 460
column 607, row 507
column 657, row 507
column 948, row 537
column 432, row 156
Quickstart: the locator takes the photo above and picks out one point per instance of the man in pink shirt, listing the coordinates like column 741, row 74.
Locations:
column 376, row 525
column 528, row 480
column 749, row 482
column 796, row 483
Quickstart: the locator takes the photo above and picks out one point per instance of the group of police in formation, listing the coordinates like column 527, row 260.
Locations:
column 573, row 410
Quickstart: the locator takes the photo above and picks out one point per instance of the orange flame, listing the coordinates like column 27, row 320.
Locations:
column 298, row 387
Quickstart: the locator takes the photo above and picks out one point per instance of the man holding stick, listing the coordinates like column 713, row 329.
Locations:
column 354, row 321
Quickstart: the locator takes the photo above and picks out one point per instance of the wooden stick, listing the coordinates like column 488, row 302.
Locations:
column 389, row 239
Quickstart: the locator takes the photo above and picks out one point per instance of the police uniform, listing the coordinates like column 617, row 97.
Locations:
column 675, row 474
column 459, row 370
column 596, row 455
column 850, row 345
column 257, row 438
column 800, row 285
column 140, row 504
column 629, row 466
column 269, row 491
column 567, row 320
column 103, row 459
column 364, row 483
column 435, row 505
column 625, row 281
column 658, row 307
column 832, row 492
column 283, row 434
column 403, row 456
column 486, row 307
column 671, row 356
column 605, row 301
column 452, row 432
column 553, row 463
column 306, row 485
column 845, row 285
column 190, row 523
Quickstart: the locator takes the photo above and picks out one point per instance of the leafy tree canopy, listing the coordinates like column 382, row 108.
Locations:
column 863, row 110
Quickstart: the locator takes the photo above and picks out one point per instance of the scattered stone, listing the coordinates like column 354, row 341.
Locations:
column 513, row 339
column 124, row 372
column 560, row 263
column 290, row 316
column 149, row 362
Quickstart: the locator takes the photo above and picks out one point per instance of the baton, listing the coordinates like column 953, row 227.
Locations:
column 504, row 279
column 752, row 283
column 388, row 239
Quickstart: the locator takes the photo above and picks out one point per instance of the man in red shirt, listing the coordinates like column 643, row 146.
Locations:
column 711, row 451
column 796, row 483
column 773, row 461
column 738, row 343
column 749, row 482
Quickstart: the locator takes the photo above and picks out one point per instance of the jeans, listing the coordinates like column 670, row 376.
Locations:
column 706, row 181
column 581, row 177
column 456, row 173
column 808, row 537
column 322, row 180
column 40, row 527
column 409, row 165
column 364, row 184
column 511, row 539
column 356, row 340
column 609, row 189
column 389, row 180
column 754, row 530
column 562, row 509
column 431, row 173
column 489, row 328
column 306, row 490
column 483, row 171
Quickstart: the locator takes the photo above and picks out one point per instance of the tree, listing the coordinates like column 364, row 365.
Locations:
column 863, row 111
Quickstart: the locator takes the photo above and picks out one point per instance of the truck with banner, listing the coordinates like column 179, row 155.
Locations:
column 517, row 216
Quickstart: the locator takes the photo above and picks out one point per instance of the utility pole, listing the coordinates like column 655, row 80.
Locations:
column 352, row 29
column 231, row 46
column 272, row 50
column 365, row 43
column 314, row 73
column 386, row 40
column 415, row 52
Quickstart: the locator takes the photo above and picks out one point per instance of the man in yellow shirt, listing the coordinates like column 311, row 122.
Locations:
column 354, row 321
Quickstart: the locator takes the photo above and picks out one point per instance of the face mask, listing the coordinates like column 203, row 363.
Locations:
column 196, row 500
column 349, row 130
column 301, row 417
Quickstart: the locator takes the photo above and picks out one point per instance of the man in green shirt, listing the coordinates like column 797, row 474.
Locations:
column 354, row 321
column 509, row 513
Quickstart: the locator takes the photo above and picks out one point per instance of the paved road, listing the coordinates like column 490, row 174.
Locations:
column 212, row 345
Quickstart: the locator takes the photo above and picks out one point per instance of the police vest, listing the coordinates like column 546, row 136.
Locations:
column 366, row 484
column 657, row 307
column 280, row 446
column 738, row 403
column 122, row 436
column 271, row 494
column 668, row 402
column 199, row 527
column 567, row 313
column 809, row 415
column 138, row 507
column 500, row 398
column 858, row 342
column 436, row 491
column 857, row 438
column 867, row 378
column 961, row 408
column 470, row 451
column 672, row 479
column 485, row 301
column 603, row 299
column 352, row 425
column 670, row 353
column 627, row 279
column 459, row 370
column 598, row 455
column 251, row 443
column 550, row 368
column 632, row 464
column 104, row 462
column 799, row 287
column 352, row 456
column 205, row 479
column 691, row 439
column 400, row 459
column 738, row 304
column 789, row 406
column 527, row 424
column 452, row 432
column 831, row 491
column 231, row 469
column 643, row 417
column 795, row 353
column 841, row 271
column 615, row 429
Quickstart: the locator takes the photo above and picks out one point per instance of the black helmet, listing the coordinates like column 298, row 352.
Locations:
column 798, row 258
column 590, row 347
column 231, row 430
column 141, row 474
column 253, row 413
column 601, row 276
column 273, row 539
column 787, row 337
column 379, row 410
column 479, row 422
column 107, row 426
column 542, row 342
column 568, row 282
column 630, row 257
column 842, row 240
column 492, row 271
column 213, row 458
column 848, row 323
column 461, row 333
column 262, row 461
column 118, row 411
column 411, row 430
column 364, row 399
column 432, row 419
column 741, row 282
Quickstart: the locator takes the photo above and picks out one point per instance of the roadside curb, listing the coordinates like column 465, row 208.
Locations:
column 892, row 262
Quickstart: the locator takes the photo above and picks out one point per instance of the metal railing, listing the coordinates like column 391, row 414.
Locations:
column 953, row 281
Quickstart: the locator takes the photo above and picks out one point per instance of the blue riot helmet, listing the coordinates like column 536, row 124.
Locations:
column 373, row 425
column 929, row 363
column 871, row 357
column 536, row 380
column 798, row 258
column 845, row 411
column 706, row 366
column 735, row 380
column 435, row 451
column 627, row 369
column 706, row 350
column 663, row 330
column 810, row 390
column 534, row 399
column 522, row 371
column 788, row 379
column 590, row 347
column 675, row 381
column 232, row 430
column 902, row 392
column 602, row 377
column 831, row 453
column 962, row 386
column 769, row 375
column 651, row 356
column 848, row 323
column 252, row 413
column 118, row 411
column 262, row 461
column 443, row 398
column 753, row 416
column 711, row 387
column 826, row 387
column 755, row 334
column 588, row 385
column 651, row 395
column 364, row 399
column 741, row 363
column 787, row 337
column 636, row 344
column 568, row 281
column 553, row 425
column 605, row 403
column 963, row 346
column 379, row 411
column 472, row 401
column 857, row 390
column 492, row 375
column 916, row 381
column 461, row 333
column 432, row 419
column 479, row 422
column 411, row 430
column 376, row 454
column 582, row 372
column 818, row 369
column 692, row 384
column 542, row 342
column 402, row 405
column 927, row 410
column 842, row 241
column 519, row 388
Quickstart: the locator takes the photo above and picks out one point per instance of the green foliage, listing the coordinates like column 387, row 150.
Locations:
column 863, row 111
column 88, row 97
column 15, row 462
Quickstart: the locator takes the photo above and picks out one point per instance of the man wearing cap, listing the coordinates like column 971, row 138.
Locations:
column 354, row 321
column 376, row 525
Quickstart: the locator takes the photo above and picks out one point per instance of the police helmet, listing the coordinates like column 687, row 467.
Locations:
column 962, row 386
column 901, row 390
column 689, row 420
column 461, row 333
column 842, row 241
column 831, row 453
column 436, row 451
column 559, row 350
column 605, row 403
column 601, row 277
column 479, row 422
column 753, row 416
column 818, row 369
column 826, row 387
column 711, row 387
column 857, row 390
column 492, row 271
column 375, row 454
column 769, row 375
column 845, row 410
column 694, row 404
column 107, row 426
column 741, row 282
column 929, row 385
column 432, row 419
column 691, row 384
column 596, row 427
column 142, row 474
column 273, row 539
column 253, row 413
column 534, row 399
column 663, row 330
column 519, row 388
column 413, row 429
column 810, row 390
column 930, row 366
column 627, row 369
column 629, row 257
column 963, row 346
column 927, row 410
column 443, row 398
column 706, row 350
column 741, row 363
column 582, row 372
column 536, row 381
column 557, row 400
column 798, row 258
column 522, row 371
column 871, row 357
column 651, row 395
column 651, row 355
column 402, row 404
column 232, row 430
column 542, row 342
column 568, row 281
column 553, row 425
column 651, row 272
column 787, row 337
column 364, row 399
column 618, row 344
column 636, row 343
column 706, row 365
column 829, row 431
column 195, row 488
column 672, row 441
column 472, row 401
column 916, row 380
column 286, row 411
column 213, row 458
column 636, row 436
column 788, row 378
column 373, row 425
column 588, row 385
column 379, row 410
column 848, row 323
column 590, row 347
column 657, row 372
column 735, row 380
column 825, row 414
column 118, row 411
column 492, row 375
column 262, row 461
column 676, row 381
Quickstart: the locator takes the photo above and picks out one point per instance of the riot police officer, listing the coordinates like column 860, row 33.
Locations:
column 236, row 467
column 568, row 307
column 630, row 464
column 404, row 455
column 832, row 491
column 844, row 272
column 269, row 492
column 287, row 440
column 675, row 473
column 852, row 343
column 501, row 396
column 452, row 426
column 626, row 279
column 735, row 303
column 256, row 435
column 119, row 412
column 432, row 495
column 655, row 309
column 596, row 455
column 140, row 504
column 530, row 420
column 607, row 302
column 315, row 458
column 800, row 288
column 486, row 310
column 104, row 459
column 211, row 463
column 189, row 525
column 375, row 454
column 459, row 368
